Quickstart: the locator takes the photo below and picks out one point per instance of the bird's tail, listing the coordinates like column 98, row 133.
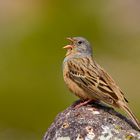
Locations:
column 131, row 114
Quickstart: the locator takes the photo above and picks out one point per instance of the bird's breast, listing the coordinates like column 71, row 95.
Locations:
column 73, row 87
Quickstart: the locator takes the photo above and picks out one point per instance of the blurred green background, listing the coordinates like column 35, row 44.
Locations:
column 32, row 34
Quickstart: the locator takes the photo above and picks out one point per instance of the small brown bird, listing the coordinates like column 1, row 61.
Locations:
column 86, row 79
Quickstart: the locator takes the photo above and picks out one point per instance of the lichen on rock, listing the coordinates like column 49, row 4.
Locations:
column 93, row 121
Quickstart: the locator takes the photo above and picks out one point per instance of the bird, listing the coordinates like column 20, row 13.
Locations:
column 88, row 80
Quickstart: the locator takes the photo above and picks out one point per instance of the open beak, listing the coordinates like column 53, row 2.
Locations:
column 69, row 46
column 70, row 39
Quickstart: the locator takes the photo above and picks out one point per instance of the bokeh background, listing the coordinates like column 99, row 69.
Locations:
column 32, row 34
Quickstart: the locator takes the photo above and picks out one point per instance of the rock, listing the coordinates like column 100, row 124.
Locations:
column 94, row 121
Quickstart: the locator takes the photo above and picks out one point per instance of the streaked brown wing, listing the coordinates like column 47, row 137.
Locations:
column 86, row 74
column 110, row 84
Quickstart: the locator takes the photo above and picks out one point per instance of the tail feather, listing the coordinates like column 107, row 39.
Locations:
column 131, row 114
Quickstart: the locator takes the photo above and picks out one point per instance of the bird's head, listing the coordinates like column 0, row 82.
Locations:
column 78, row 46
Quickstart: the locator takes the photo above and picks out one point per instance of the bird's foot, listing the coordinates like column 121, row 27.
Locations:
column 82, row 103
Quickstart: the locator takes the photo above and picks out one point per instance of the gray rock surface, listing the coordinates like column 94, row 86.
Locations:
column 94, row 121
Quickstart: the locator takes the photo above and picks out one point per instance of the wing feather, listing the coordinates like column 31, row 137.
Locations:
column 87, row 74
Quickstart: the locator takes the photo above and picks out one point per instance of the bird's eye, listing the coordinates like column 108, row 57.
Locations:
column 80, row 42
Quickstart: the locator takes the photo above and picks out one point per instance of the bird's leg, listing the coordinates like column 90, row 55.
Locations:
column 83, row 103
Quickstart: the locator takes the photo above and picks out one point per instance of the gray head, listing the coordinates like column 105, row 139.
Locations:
column 78, row 46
